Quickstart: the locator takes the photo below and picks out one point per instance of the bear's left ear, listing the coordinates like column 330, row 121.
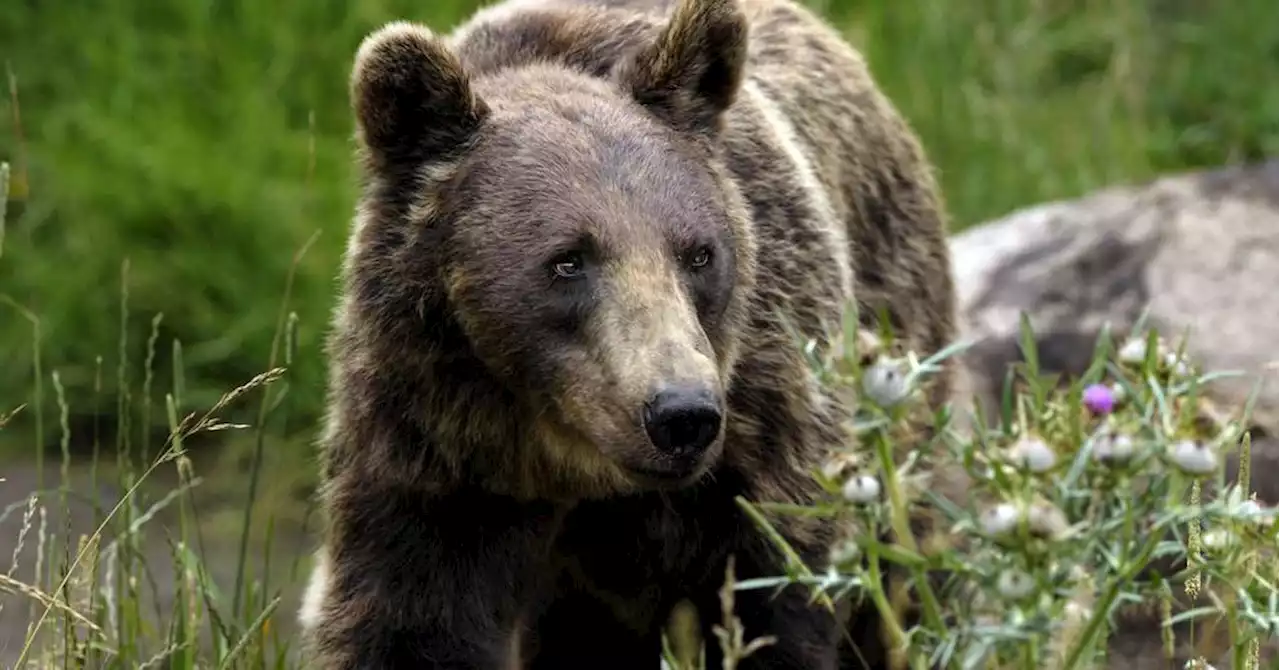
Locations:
column 412, row 98
column 690, row 75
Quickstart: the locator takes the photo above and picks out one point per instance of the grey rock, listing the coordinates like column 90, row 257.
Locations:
column 1199, row 251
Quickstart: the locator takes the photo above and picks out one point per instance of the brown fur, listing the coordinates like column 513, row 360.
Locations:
column 488, row 482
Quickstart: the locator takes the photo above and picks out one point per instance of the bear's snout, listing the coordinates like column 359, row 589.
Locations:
column 682, row 422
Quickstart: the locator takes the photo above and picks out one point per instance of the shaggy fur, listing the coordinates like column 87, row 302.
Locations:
column 570, row 207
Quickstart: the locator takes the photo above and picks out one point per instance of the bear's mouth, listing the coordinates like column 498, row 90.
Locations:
column 674, row 475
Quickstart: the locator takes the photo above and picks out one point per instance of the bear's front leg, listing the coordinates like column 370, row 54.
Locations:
column 806, row 633
column 418, row 581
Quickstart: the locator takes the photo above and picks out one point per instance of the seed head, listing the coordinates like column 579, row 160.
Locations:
column 885, row 382
column 862, row 489
column 844, row 552
column 1033, row 454
column 1178, row 367
column 1217, row 539
column 1118, row 393
column 1015, row 584
column 1193, row 457
column 1113, row 449
column 1133, row 352
column 1257, row 515
column 1045, row 520
column 999, row 520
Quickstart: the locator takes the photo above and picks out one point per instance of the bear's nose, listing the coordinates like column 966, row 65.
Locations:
column 682, row 421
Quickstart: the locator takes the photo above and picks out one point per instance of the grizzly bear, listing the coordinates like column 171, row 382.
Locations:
column 588, row 237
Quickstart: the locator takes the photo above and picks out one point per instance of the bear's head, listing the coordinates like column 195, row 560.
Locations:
column 576, row 237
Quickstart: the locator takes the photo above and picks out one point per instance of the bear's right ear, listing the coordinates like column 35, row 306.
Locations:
column 412, row 98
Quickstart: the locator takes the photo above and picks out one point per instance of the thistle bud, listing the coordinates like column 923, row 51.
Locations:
column 862, row 489
column 1193, row 457
column 1033, row 454
column 885, row 382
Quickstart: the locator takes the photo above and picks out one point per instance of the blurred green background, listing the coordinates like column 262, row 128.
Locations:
column 206, row 140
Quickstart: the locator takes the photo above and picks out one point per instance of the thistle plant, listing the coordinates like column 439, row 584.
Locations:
column 1087, row 499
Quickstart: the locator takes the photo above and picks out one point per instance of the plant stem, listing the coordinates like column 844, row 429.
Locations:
column 255, row 471
column 876, row 586
column 901, row 524
column 1103, row 608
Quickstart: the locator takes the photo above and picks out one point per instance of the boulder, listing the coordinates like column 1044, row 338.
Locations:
column 1199, row 252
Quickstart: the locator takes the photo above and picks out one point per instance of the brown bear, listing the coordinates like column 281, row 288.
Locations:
column 588, row 235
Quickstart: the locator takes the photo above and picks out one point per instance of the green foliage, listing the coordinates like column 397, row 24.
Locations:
column 1022, row 101
column 1070, row 500
column 1050, row 547
column 95, row 600
column 206, row 142
column 185, row 151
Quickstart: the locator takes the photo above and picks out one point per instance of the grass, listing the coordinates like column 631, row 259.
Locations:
column 1040, row 591
column 204, row 139
column 159, row 178
column 89, row 594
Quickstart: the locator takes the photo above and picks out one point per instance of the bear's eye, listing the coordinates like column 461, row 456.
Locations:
column 700, row 258
column 568, row 266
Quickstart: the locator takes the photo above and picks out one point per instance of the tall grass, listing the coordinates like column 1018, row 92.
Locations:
column 203, row 138
column 1045, row 593
column 96, row 599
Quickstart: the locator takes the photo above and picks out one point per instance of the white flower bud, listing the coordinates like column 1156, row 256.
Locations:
column 1045, row 520
column 1033, row 454
column 1178, row 367
column 1133, row 352
column 885, row 382
column 1015, row 584
column 1113, row 449
column 999, row 520
column 1256, row 514
column 862, row 489
column 1118, row 392
column 1217, row 539
column 1193, row 458
column 844, row 552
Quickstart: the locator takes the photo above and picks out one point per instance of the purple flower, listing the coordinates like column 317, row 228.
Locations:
column 1099, row 399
